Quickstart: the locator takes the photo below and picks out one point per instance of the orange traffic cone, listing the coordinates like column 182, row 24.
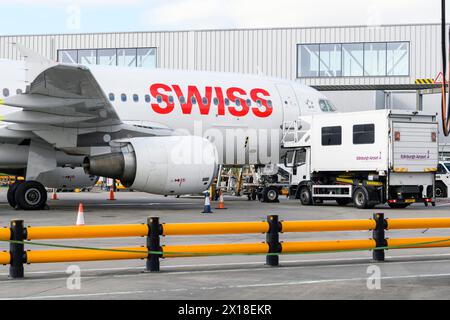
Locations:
column 80, row 217
column 111, row 195
column 54, row 195
column 221, row 201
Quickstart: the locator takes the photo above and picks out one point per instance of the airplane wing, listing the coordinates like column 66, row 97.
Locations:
column 66, row 106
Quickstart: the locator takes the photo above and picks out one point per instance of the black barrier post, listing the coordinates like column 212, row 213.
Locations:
column 273, row 240
column 379, row 236
column 17, row 250
column 153, row 244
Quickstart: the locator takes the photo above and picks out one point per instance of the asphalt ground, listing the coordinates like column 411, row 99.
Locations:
column 406, row 274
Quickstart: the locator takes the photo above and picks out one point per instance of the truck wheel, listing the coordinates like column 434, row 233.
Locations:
column 31, row 195
column 361, row 198
column 343, row 201
column 271, row 195
column 305, row 196
column 398, row 205
column 11, row 195
column 440, row 190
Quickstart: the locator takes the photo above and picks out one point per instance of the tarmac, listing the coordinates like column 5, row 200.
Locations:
column 406, row 274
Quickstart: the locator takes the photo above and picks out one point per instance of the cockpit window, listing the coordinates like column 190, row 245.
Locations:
column 327, row 106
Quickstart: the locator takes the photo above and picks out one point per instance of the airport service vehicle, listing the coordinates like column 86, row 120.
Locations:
column 158, row 131
column 443, row 179
column 367, row 158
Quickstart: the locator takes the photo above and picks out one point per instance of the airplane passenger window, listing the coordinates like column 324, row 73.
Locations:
column 6, row 92
column 249, row 102
column 124, row 97
column 193, row 100
column 135, row 98
column 112, row 97
column 269, row 103
column 258, row 102
column 182, row 100
column 19, row 91
column 227, row 101
column 147, row 98
column 205, row 101
column 159, row 99
column 238, row 102
column 171, row 100
column 216, row 101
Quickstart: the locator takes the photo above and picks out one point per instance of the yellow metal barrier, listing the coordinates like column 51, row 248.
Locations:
column 214, row 249
column 17, row 235
column 5, row 234
column 323, row 246
column 5, row 258
column 87, row 232
column 54, row 256
column 418, row 223
column 415, row 243
column 189, row 229
column 327, row 225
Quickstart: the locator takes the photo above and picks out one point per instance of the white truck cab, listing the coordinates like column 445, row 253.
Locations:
column 443, row 179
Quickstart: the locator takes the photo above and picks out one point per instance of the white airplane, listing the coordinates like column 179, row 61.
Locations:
column 158, row 131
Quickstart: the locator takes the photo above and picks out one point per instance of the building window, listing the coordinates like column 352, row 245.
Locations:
column 309, row 60
column 330, row 60
column 353, row 60
column 331, row 136
column 379, row 59
column 375, row 59
column 146, row 57
column 87, row 57
column 127, row 57
column 397, row 59
column 107, row 57
column 364, row 134
column 68, row 56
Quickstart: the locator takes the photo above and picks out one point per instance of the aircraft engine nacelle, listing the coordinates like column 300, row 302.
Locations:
column 160, row 165
column 67, row 178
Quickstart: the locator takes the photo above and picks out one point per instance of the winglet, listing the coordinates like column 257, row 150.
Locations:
column 34, row 62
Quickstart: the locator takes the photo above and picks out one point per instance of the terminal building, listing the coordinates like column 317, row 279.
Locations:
column 357, row 67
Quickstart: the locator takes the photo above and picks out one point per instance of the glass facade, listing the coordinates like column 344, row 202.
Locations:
column 130, row 57
column 378, row 59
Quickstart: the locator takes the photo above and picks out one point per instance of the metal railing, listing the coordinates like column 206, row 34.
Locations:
column 18, row 236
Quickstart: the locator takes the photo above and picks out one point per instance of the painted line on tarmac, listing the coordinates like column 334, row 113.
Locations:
column 252, row 263
column 200, row 272
column 242, row 286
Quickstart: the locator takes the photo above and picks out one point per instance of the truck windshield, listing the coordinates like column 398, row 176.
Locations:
column 447, row 165
column 327, row 106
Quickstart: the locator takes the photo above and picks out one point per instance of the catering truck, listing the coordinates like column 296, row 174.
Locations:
column 368, row 158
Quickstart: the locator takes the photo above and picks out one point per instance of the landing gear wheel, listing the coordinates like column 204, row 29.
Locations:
column 305, row 196
column 361, row 198
column 271, row 195
column 398, row 205
column 11, row 195
column 343, row 201
column 31, row 195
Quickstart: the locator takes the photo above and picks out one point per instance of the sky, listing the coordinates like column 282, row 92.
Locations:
column 80, row 16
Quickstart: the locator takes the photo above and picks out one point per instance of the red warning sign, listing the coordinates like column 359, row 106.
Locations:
column 439, row 79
